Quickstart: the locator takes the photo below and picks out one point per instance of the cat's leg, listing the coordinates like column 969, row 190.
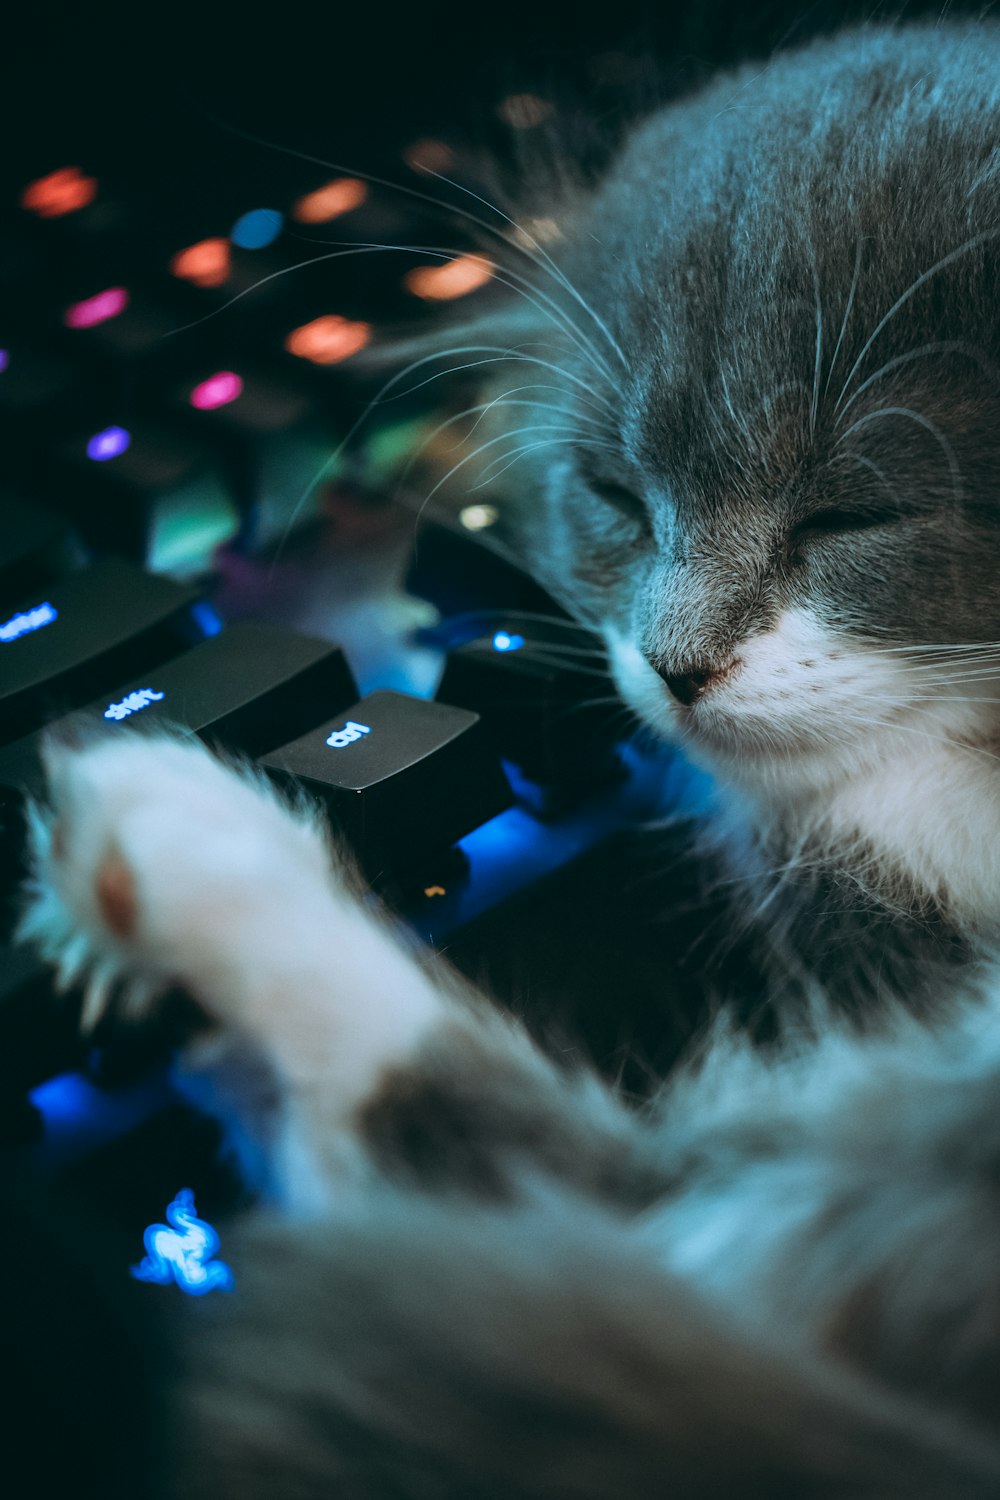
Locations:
column 515, row 1347
column 158, row 866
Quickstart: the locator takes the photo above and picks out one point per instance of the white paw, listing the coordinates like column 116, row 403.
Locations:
column 156, row 865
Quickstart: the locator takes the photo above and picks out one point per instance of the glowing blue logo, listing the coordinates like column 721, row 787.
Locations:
column 31, row 619
column 183, row 1251
column 132, row 704
column 346, row 736
column 504, row 642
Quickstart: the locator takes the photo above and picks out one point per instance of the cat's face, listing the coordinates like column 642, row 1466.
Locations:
column 770, row 469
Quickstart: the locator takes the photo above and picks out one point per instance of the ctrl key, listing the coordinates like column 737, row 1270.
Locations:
column 401, row 778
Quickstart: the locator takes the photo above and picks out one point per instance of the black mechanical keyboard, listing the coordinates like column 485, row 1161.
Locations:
column 196, row 530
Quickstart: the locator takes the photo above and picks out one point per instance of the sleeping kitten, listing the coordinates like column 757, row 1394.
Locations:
column 767, row 475
column 483, row 1275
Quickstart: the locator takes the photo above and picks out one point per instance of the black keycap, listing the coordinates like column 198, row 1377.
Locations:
column 20, row 262
column 459, row 573
column 549, row 705
column 401, row 778
column 35, row 548
column 128, row 330
column 40, row 388
column 240, row 403
column 63, row 645
column 247, row 689
column 123, row 483
column 41, row 1031
column 275, row 435
column 83, row 223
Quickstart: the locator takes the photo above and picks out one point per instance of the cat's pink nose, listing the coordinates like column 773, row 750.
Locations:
column 689, row 685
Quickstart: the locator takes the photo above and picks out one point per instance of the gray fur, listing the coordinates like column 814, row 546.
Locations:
column 517, row 1310
column 780, row 1279
column 434, row 1348
column 793, row 403
column 724, row 223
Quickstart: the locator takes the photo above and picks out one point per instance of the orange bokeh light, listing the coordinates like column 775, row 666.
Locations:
column 455, row 278
column 330, row 201
column 329, row 339
column 523, row 111
column 205, row 264
column 428, row 155
column 61, row 192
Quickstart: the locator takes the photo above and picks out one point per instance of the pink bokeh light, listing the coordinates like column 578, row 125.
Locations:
column 217, row 390
column 96, row 309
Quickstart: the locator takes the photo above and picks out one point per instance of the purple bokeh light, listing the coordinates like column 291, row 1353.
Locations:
column 108, row 444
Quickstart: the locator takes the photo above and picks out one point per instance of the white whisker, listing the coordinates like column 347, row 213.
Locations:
column 537, row 254
column 814, row 402
column 514, row 454
column 500, row 355
column 946, row 260
column 947, row 347
column 469, row 458
column 847, row 311
column 552, row 266
column 506, row 616
column 857, row 458
column 922, row 421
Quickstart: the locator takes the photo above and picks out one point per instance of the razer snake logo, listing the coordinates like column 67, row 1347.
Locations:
column 181, row 1251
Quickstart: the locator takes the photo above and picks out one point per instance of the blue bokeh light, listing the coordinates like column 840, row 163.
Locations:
column 206, row 617
column 256, row 229
column 503, row 641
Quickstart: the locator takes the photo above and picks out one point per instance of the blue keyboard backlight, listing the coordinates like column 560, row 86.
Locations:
column 502, row 641
column 27, row 622
column 206, row 617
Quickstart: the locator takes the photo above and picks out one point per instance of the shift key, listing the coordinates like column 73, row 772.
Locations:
column 400, row 777
column 247, row 689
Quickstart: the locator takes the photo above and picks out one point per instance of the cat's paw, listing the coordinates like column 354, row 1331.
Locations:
column 154, row 864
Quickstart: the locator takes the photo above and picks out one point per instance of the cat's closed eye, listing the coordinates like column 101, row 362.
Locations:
column 837, row 521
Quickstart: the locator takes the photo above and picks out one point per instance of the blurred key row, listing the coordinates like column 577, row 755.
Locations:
column 110, row 647
column 172, row 370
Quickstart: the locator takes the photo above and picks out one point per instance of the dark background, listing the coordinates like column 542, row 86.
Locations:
column 147, row 86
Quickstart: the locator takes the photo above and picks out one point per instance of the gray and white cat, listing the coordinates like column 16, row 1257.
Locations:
column 771, row 448
column 768, row 475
